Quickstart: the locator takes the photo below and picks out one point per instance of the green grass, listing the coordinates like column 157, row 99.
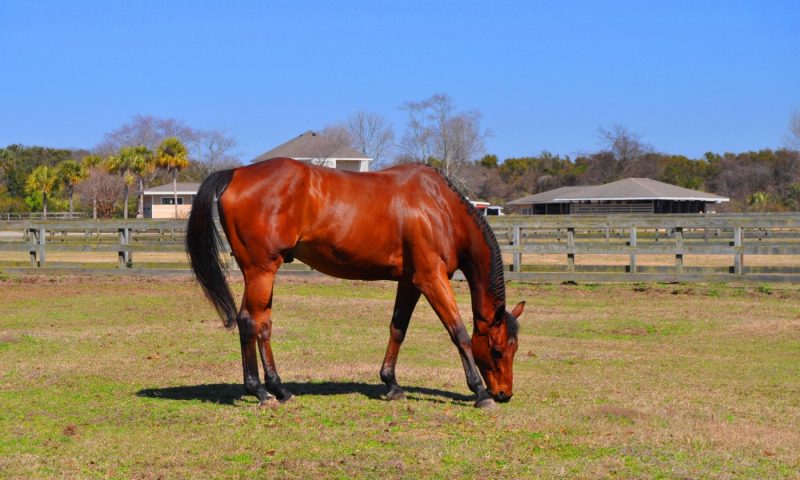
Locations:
column 136, row 378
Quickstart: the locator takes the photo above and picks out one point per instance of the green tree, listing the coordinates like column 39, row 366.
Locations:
column 43, row 179
column 70, row 173
column 173, row 157
column 488, row 161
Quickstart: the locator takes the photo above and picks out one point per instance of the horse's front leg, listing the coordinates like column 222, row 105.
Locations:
column 404, row 303
column 436, row 288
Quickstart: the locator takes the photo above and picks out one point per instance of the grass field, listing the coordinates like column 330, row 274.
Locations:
column 136, row 378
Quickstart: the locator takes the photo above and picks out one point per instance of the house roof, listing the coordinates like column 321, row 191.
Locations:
column 183, row 189
column 311, row 145
column 625, row 189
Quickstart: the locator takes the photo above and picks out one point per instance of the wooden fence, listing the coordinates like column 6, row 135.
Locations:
column 6, row 216
column 665, row 248
column 637, row 248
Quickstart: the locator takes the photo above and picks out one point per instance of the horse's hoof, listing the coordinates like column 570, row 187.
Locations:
column 486, row 403
column 395, row 395
column 288, row 397
column 270, row 402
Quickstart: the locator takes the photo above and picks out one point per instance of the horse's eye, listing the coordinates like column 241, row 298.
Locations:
column 496, row 353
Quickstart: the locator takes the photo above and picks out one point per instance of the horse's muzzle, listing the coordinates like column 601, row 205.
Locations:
column 502, row 397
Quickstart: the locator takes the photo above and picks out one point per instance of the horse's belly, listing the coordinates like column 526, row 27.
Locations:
column 366, row 264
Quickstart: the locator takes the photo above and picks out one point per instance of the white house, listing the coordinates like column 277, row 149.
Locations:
column 313, row 147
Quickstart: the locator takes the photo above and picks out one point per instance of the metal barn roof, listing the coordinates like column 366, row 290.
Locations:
column 626, row 189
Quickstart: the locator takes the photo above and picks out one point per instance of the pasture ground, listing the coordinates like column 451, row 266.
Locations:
column 137, row 378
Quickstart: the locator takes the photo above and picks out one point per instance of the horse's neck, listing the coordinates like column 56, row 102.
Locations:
column 477, row 267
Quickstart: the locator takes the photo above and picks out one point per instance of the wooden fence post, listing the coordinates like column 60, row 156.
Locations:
column 571, row 249
column 679, row 249
column 738, row 257
column 632, row 243
column 516, row 256
column 124, row 255
column 38, row 240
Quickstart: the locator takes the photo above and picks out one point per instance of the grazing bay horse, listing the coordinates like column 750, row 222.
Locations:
column 407, row 223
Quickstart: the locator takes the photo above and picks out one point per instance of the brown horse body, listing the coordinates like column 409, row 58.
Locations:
column 405, row 224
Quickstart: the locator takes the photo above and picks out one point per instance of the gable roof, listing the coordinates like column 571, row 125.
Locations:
column 312, row 145
column 625, row 189
column 183, row 189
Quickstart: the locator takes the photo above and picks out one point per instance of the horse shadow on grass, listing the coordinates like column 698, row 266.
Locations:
column 229, row 393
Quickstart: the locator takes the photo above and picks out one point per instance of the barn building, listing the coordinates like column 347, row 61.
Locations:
column 630, row 195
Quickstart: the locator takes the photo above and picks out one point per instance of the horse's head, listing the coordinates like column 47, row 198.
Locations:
column 493, row 346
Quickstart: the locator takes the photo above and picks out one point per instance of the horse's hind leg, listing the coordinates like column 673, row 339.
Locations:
column 255, row 329
column 404, row 303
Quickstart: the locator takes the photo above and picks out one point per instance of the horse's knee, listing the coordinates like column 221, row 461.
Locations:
column 397, row 334
column 246, row 324
column 460, row 337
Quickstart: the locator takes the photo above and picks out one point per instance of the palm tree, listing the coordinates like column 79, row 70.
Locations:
column 42, row 179
column 69, row 174
column 173, row 157
column 121, row 164
column 142, row 164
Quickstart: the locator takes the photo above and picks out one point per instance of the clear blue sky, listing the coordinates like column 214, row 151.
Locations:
column 688, row 76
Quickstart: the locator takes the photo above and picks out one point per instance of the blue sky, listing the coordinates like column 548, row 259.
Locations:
column 688, row 76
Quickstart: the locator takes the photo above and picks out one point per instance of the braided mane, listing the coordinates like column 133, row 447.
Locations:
column 497, row 285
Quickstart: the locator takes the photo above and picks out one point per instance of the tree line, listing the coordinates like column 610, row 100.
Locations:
column 150, row 150
column 146, row 151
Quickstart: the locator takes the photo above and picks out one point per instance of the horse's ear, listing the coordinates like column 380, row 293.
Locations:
column 518, row 309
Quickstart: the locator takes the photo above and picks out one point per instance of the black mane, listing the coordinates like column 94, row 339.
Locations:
column 497, row 285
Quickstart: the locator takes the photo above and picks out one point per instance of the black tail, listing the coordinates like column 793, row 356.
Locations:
column 203, row 242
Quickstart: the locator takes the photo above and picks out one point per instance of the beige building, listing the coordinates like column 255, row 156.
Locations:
column 159, row 202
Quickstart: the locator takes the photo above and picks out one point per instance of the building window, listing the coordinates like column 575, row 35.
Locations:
column 171, row 200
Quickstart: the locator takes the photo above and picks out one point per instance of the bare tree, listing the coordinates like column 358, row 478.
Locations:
column 209, row 150
column 331, row 139
column 371, row 135
column 214, row 150
column 145, row 130
column 793, row 138
column 629, row 151
column 101, row 190
column 436, row 131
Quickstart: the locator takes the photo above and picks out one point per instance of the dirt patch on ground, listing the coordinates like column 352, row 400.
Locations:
column 8, row 338
column 614, row 411
column 768, row 328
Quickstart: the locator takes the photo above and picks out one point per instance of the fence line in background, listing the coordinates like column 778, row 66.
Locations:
column 579, row 245
column 8, row 217
column 714, row 237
